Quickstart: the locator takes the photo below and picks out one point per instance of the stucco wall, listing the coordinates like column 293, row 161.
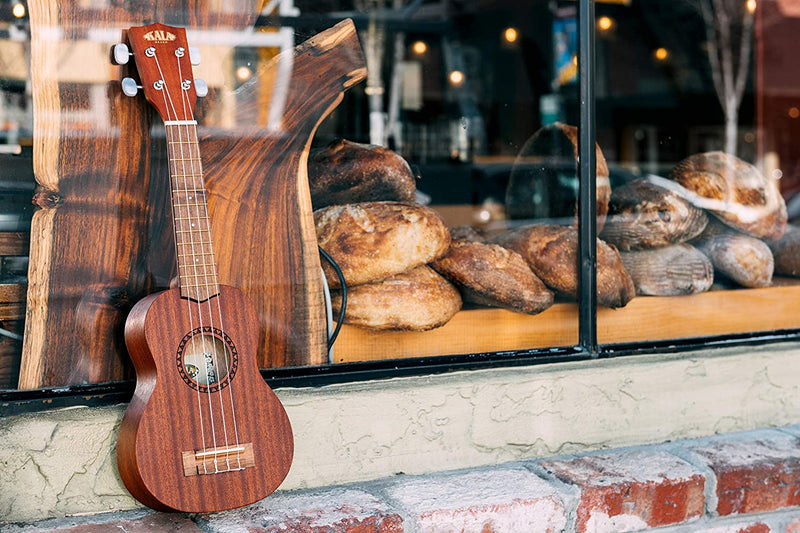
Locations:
column 62, row 462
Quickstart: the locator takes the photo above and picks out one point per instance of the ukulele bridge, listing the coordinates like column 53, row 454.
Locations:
column 218, row 460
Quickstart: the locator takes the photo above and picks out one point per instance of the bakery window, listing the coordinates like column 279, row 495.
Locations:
column 459, row 184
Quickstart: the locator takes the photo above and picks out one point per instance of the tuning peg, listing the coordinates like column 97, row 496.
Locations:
column 129, row 87
column 194, row 55
column 120, row 54
column 200, row 87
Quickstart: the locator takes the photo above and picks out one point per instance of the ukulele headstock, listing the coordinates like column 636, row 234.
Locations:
column 163, row 60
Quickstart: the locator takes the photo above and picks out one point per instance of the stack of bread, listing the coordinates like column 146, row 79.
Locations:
column 366, row 221
column 650, row 225
column 711, row 217
column 403, row 268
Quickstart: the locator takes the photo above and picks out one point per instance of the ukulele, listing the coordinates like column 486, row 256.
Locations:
column 203, row 432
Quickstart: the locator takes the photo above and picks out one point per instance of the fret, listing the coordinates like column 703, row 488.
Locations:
column 198, row 285
column 186, row 159
column 193, row 204
column 200, row 275
column 199, row 217
column 189, row 189
column 193, row 243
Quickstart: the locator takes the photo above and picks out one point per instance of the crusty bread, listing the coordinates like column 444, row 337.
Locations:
column 345, row 172
column 786, row 251
column 741, row 258
column 674, row 270
column 742, row 196
column 552, row 254
column 375, row 240
column 417, row 300
column 549, row 156
column 488, row 274
column 643, row 215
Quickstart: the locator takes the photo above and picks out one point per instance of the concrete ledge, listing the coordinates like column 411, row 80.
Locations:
column 62, row 462
column 645, row 488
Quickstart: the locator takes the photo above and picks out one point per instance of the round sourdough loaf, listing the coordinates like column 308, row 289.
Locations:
column 346, row 172
column 552, row 254
column 740, row 195
column 417, row 300
column 372, row 241
column 488, row 274
column 643, row 215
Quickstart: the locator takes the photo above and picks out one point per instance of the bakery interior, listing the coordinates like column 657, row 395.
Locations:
column 471, row 109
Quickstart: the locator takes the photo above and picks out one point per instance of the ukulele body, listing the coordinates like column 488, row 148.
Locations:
column 203, row 432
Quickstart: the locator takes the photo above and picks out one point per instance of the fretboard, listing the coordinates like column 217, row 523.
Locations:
column 196, row 266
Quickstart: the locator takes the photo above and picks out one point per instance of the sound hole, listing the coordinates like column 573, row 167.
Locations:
column 206, row 361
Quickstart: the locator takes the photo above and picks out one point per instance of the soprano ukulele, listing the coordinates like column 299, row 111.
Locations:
column 203, row 432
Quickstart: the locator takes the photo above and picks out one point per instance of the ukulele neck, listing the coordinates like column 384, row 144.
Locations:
column 196, row 267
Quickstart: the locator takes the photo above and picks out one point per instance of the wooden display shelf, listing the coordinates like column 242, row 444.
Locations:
column 643, row 319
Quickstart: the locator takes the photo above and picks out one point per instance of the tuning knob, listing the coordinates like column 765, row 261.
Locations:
column 200, row 87
column 120, row 54
column 129, row 87
column 194, row 55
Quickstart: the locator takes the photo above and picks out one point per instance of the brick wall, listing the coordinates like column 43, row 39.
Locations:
column 744, row 482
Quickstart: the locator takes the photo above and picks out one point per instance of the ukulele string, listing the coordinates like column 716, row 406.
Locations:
column 181, row 261
column 203, row 206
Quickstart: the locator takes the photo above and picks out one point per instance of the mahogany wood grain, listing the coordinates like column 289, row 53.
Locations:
column 99, row 240
column 168, row 417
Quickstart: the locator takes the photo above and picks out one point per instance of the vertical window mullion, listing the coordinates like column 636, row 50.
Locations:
column 587, row 221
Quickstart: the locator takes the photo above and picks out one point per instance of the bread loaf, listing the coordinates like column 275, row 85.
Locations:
column 643, row 215
column 741, row 258
column 375, row 240
column 552, row 254
column 488, row 274
column 345, row 172
column 740, row 195
column 417, row 300
column 786, row 252
column 536, row 188
column 674, row 270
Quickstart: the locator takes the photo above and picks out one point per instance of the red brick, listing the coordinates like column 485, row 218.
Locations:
column 323, row 511
column 631, row 490
column 497, row 500
column 755, row 473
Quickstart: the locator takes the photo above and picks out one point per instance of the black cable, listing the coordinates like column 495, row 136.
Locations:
column 339, row 274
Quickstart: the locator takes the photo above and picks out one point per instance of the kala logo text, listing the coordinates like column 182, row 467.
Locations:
column 159, row 36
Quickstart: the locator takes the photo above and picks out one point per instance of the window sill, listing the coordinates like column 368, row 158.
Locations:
column 62, row 461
